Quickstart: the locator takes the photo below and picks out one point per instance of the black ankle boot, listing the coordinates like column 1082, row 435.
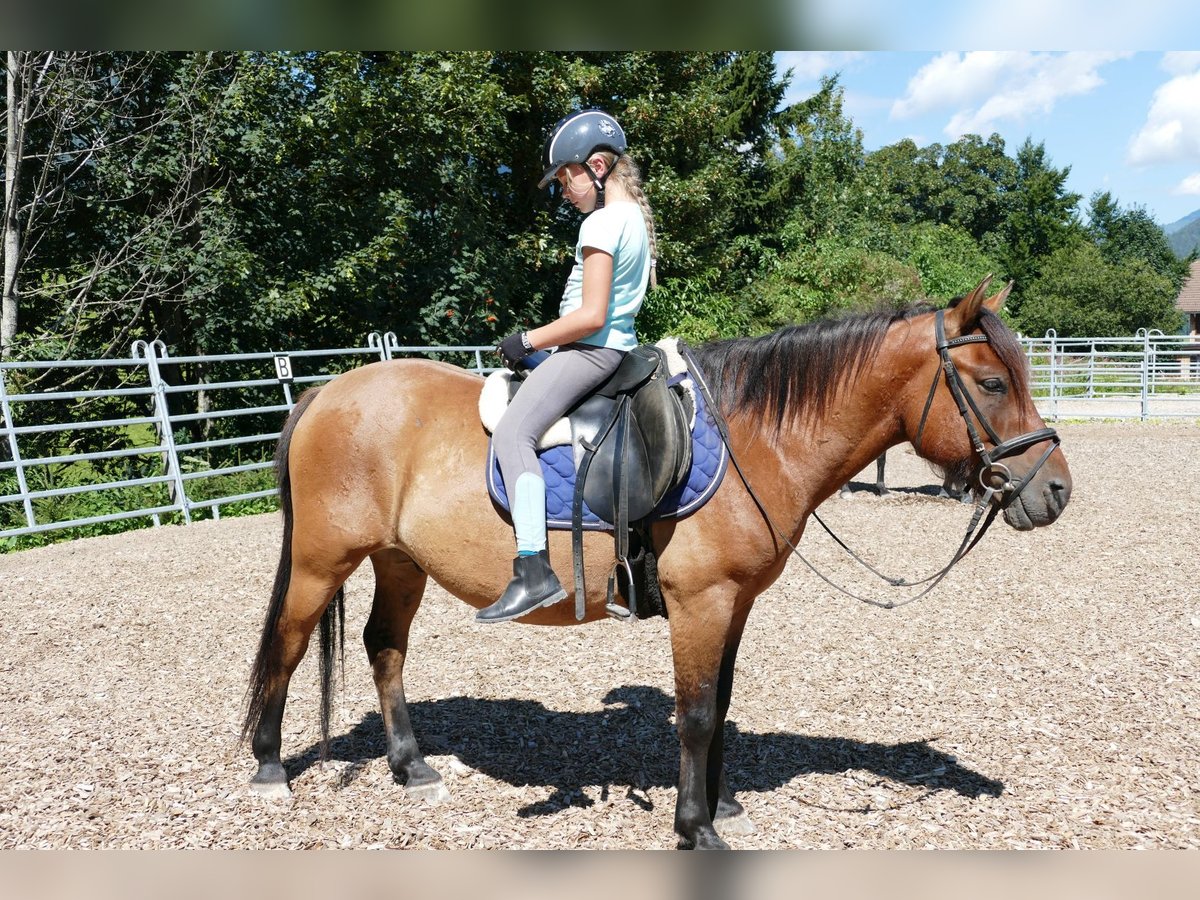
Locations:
column 534, row 585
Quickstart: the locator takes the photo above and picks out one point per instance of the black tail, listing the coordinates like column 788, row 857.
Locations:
column 265, row 666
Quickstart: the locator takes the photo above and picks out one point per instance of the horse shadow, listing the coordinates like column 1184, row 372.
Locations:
column 632, row 746
column 932, row 491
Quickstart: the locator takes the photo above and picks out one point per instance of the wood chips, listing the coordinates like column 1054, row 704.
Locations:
column 1043, row 696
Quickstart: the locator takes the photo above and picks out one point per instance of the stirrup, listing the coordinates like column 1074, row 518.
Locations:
column 614, row 609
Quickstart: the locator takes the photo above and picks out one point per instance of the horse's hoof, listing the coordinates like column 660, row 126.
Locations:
column 270, row 781
column 272, row 790
column 432, row 792
column 705, row 840
column 737, row 824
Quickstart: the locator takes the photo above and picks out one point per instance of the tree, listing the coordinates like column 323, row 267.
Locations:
column 93, row 209
column 819, row 164
column 1080, row 294
column 948, row 260
column 965, row 184
column 1041, row 217
column 1126, row 235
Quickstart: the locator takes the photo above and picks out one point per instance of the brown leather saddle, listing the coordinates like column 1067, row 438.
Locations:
column 634, row 431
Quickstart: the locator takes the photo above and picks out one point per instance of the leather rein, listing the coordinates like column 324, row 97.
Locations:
column 997, row 490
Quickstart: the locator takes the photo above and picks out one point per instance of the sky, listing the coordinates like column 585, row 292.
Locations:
column 1125, row 122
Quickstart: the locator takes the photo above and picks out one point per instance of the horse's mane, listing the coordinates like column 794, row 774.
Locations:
column 798, row 370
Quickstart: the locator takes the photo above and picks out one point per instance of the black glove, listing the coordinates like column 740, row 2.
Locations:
column 514, row 348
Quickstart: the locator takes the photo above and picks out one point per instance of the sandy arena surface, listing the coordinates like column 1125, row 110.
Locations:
column 1043, row 696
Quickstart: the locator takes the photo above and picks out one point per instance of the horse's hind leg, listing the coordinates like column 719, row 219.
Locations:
column 399, row 586
column 308, row 593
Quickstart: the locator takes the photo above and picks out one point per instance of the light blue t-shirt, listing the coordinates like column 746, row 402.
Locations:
column 619, row 230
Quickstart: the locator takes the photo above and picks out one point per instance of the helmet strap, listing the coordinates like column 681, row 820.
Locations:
column 598, row 182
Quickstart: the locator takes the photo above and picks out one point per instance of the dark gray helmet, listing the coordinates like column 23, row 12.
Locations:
column 578, row 136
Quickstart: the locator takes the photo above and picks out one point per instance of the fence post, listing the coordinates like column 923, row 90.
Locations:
column 10, row 429
column 166, row 434
column 1145, row 386
column 390, row 344
column 1091, row 384
column 375, row 342
column 1052, row 337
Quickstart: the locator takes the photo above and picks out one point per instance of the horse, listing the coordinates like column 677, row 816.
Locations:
column 386, row 463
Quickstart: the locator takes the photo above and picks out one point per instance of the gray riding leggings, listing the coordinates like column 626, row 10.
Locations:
column 556, row 385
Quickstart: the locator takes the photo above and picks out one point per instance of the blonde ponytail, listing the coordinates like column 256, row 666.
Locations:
column 626, row 173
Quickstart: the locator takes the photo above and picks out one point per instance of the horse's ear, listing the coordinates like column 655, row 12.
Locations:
column 996, row 301
column 963, row 316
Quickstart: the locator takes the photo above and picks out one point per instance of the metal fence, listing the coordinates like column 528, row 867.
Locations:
column 1149, row 375
column 84, row 443
column 159, row 438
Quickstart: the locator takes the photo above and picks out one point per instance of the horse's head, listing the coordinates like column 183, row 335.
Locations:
column 969, row 411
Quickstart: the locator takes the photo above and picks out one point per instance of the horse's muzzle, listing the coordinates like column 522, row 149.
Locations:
column 1040, row 503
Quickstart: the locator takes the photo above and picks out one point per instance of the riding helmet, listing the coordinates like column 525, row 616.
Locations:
column 578, row 136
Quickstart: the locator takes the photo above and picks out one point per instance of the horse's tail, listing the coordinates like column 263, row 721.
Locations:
column 265, row 666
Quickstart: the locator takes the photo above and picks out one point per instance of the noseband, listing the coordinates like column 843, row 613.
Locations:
column 995, row 479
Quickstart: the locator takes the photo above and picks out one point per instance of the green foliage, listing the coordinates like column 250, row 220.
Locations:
column 324, row 195
column 819, row 166
column 949, row 262
column 1041, row 218
column 966, row 184
column 1127, row 235
column 1081, row 294
column 828, row 276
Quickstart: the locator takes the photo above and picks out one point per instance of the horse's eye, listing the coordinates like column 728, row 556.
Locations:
column 994, row 385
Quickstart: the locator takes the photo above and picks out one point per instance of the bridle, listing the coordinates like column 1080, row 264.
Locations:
column 997, row 489
column 991, row 475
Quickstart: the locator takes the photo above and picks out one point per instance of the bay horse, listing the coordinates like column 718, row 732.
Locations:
column 386, row 463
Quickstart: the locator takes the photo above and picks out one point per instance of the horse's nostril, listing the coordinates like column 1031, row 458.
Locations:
column 1060, row 492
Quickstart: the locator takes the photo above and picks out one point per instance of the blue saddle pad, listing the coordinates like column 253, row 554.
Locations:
column 710, row 458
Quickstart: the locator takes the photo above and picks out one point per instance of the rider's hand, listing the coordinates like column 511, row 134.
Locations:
column 514, row 348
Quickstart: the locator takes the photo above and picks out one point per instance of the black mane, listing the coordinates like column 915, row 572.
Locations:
column 798, row 370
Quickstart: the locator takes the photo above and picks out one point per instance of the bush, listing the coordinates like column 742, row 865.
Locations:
column 1080, row 294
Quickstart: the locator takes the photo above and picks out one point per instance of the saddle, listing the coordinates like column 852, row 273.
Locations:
column 633, row 441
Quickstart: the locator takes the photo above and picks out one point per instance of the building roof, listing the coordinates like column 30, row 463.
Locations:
column 1189, row 297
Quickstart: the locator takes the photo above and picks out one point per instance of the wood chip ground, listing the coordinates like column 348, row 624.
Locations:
column 1044, row 696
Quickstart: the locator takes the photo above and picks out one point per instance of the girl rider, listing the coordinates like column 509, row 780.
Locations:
column 614, row 266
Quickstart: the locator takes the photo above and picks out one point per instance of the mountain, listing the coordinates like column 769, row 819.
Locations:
column 1181, row 223
column 1186, row 239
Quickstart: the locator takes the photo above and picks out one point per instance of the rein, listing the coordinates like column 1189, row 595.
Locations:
column 995, row 480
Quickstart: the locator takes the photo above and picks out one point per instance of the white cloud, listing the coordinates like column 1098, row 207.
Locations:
column 985, row 87
column 1181, row 62
column 1189, row 185
column 809, row 65
column 1172, row 129
column 953, row 79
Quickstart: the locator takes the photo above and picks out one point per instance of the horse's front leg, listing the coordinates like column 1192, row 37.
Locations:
column 698, row 637
column 399, row 587
column 730, row 815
